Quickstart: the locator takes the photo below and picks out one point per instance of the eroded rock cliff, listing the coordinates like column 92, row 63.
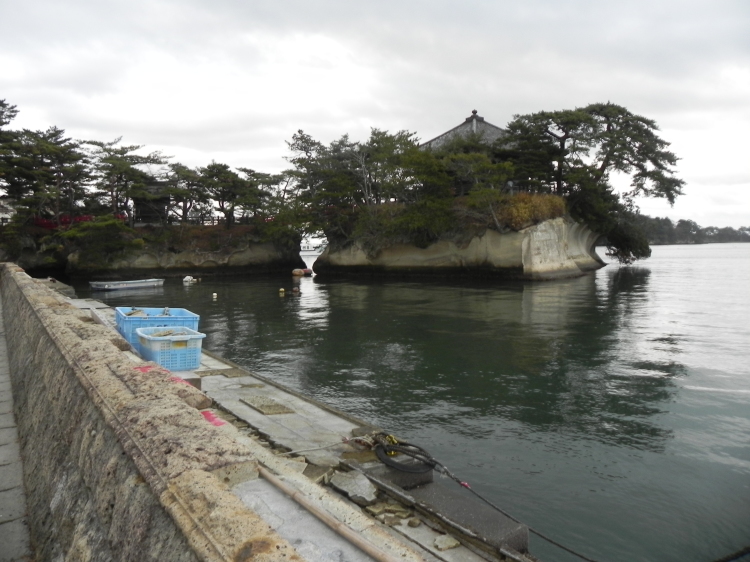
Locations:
column 552, row 249
column 253, row 256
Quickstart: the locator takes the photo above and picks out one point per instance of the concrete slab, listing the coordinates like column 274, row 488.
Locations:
column 54, row 284
column 9, row 452
column 231, row 372
column 208, row 362
column 6, row 405
column 312, row 539
column 12, row 504
column 308, row 427
column 425, row 536
column 7, row 419
column 88, row 303
column 8, row 434
column 14, row 541
column 189, row 377
column 11, row 475
column 459, row 506
column 266, row 405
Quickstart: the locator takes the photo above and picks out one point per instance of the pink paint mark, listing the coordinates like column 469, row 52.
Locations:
column 211, row 418
column 144, row 369
column 178, row 380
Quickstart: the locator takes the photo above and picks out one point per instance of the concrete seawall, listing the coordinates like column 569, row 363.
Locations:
column 119, row 464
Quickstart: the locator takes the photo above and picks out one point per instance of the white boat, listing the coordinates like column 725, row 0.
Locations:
column 310, row 249
column 312, row 246
column 118, row 285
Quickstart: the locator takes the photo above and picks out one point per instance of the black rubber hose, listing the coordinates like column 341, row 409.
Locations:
column 425, row 464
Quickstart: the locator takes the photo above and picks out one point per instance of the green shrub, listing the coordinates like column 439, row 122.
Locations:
column 425, row 221
column 100, row 241
column 420, row 224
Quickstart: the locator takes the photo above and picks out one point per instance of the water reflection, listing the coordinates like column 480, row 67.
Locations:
column 128, row 293
column 610, row 410
column 551, row 356
column 561, row 356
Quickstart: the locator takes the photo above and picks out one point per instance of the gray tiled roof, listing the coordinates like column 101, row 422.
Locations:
column 473, row 125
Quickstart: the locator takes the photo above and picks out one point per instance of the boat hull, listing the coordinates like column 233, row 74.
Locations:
column 119, row 285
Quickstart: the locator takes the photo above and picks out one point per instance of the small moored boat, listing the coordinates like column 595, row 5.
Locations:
column 133, row 284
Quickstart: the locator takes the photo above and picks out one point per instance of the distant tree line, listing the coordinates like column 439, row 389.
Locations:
column 48, row 174
column 385, row 190
column 664, row 231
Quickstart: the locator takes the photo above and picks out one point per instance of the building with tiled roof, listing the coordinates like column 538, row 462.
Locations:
column 473, row 126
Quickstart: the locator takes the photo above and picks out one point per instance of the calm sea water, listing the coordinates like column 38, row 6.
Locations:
column 611, row 411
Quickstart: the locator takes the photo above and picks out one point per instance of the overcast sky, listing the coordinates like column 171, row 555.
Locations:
column 232, row 80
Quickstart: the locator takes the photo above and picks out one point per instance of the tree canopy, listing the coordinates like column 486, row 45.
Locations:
column 574, row 153
column 386, row 189
column 47, row 176
column 389, row 189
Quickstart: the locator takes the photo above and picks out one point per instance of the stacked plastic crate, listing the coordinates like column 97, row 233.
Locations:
column 167, row 336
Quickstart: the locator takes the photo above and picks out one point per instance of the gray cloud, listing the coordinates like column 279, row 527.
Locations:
column 235, row 79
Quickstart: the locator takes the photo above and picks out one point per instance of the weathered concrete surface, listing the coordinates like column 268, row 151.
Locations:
column 328, row 501
column 54, row 284
column 117, row 464
column 421, row 542
column 355, row 485
column 489, row 529
column 307, row 427
column 552, row 249
column 311, row 537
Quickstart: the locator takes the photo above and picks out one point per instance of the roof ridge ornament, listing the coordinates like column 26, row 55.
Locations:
column 474, row 118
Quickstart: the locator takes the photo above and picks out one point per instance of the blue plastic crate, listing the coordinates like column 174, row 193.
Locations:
column 173, row 347
column 151, row 318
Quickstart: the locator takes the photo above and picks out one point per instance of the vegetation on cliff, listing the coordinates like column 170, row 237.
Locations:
column 388, row 190
column 575, row 153
column 382, row 191
column 98, row 244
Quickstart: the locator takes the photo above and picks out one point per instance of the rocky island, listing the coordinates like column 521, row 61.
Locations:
column 552, row 249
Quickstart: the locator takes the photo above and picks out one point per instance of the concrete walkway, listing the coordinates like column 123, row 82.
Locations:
column 14, row 533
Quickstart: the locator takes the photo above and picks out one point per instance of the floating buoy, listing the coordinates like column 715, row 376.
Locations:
column 298, row 272
column 214, row 296
column 281, row 292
